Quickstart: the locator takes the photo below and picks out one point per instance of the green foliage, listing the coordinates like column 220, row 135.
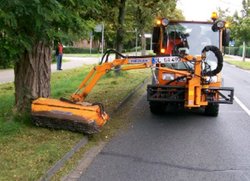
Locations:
column 78, row 50
column 241, row 25
column 241, row 29
column 149, row 8
column 237, row 51
column 25, row 22
column 146, row 11
column 246, row 5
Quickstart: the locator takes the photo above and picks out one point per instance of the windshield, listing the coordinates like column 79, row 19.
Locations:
column 197, row 35
column 194, row 37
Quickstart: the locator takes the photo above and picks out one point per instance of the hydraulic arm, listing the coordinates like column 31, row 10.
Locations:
column 98, row 71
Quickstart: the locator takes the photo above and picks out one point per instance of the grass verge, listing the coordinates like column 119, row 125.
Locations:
column 27, row 152
column 240, row 64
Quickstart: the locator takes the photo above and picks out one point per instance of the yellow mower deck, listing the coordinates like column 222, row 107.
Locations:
column 58, row 114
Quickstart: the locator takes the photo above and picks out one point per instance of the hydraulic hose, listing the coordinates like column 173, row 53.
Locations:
column 107, row 53
column 219, row 57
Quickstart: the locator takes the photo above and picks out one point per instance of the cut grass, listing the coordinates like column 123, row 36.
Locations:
column 240, row 64
column 27, row 152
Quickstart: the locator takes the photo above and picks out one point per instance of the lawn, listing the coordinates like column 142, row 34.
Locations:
column 244, row 65
column 27, row 152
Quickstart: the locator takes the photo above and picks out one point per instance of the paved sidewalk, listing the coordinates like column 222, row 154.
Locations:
column 74, row 62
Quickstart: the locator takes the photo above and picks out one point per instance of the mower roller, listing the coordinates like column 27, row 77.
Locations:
column 61, row 114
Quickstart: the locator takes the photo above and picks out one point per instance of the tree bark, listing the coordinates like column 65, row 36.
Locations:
column 143, row 42
column 120, row 29
column 141, row 26
column 32, row 76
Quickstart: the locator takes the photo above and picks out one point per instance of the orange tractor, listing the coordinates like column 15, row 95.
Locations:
column 197, row 82
column 185, row 74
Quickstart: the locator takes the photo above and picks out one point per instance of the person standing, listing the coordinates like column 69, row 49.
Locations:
column 59, row 55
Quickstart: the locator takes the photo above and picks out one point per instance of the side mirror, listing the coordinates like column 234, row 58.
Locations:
column 225, row 37
column 218, row 25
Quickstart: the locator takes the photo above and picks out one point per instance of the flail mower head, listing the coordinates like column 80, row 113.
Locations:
column 60, row 114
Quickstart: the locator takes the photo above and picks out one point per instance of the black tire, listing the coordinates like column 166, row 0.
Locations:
column 157, row 107
column 212, row 110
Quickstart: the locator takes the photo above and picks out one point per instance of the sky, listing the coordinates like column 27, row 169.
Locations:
column 200, row 10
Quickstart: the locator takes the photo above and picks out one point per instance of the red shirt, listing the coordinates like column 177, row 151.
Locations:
column 60, row 49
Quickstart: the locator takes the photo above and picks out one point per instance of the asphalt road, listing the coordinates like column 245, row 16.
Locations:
column 183, row 146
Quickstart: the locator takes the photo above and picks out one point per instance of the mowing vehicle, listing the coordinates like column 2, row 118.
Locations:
column 197, row 82
column 185, row 74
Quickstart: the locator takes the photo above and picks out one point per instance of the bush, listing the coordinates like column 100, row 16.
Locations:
column 79, row 50
column 132, row 49
column 237, row 51
column 4, row 64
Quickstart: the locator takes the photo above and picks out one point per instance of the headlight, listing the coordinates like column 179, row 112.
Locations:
column 166, row 76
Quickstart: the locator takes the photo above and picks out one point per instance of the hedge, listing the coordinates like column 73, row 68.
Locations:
column 237, row 51
column 79, row 50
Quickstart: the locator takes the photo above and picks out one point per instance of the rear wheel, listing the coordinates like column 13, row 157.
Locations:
column 157, row 107
column 212, row 109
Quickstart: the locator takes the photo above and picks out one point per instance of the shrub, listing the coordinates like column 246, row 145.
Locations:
column 79, row 50
column 237, row 51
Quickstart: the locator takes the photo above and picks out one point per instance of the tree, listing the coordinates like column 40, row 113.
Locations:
column 246, row 9
column 120, row 24
column 145, row 12
column 241, row 26
column 28, row 29
column 241, row 30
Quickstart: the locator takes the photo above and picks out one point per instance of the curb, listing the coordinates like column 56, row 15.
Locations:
column 65, row 158
column 83, row 142
column 85, row 161
column 124, row 100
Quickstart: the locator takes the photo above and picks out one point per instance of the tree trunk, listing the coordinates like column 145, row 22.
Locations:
column 141, row 26
column 32, row 76
column 120, row 29
column 143, row 43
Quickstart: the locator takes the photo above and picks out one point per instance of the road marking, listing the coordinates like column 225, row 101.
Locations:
column 243, row 106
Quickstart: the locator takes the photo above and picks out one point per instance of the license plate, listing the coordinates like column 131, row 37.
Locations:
column 170, row 59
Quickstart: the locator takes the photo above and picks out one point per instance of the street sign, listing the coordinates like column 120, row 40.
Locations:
column 231, row 43
column 148, row 35
column 98, row 28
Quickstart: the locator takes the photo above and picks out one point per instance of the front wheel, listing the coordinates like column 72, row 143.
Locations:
column 212, row 109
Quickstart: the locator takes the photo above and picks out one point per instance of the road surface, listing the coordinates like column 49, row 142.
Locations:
column 183, row 146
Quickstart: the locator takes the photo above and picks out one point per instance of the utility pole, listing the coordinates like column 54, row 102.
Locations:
column 90, row 43
column 136, row 42
column 102, row 36
column 244, row 51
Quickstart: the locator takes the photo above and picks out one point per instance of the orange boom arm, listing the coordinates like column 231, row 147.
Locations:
column 98, row 71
